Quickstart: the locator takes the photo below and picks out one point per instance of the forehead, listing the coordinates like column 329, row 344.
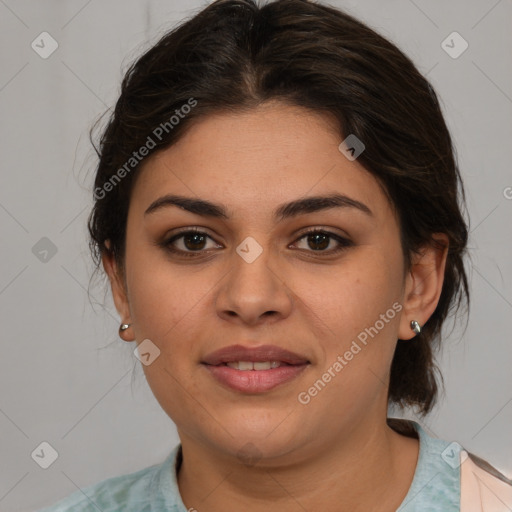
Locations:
column 255, row 160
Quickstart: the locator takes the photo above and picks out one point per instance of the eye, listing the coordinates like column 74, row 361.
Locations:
column 191, row 241
column 318, row 240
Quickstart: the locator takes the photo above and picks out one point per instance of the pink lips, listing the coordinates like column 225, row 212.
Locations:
column 254, row 381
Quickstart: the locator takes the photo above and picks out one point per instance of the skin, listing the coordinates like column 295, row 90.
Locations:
column 336, row 452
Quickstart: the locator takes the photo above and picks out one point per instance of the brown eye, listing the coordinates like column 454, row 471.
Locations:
column 188, row 242
column 319, row 241
column 194, row 241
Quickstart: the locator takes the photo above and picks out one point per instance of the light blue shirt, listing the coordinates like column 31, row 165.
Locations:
column 435, row 486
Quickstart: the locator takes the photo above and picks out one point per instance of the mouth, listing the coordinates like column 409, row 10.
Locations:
column 254, row 365
column 254, row 370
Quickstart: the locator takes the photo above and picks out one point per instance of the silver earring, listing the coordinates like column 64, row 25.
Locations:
column 123, row 327
column 415, row 326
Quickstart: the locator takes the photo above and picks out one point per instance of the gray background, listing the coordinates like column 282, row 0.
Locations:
column 65, row 376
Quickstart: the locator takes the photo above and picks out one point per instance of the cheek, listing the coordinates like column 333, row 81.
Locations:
column 347, row 299
column 358, row 307
column 166, row 307
column 164, row 298
column 358, row 341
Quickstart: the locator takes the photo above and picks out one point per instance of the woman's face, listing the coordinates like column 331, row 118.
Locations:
column 256, row 278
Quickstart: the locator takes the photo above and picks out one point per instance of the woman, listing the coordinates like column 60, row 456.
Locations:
column 278, row 210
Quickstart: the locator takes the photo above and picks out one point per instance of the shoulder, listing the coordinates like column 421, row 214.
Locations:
column 128, row 492
column 483, row 487
column 449, row 478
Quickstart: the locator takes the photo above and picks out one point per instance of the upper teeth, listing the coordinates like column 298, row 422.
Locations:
column 249, row 365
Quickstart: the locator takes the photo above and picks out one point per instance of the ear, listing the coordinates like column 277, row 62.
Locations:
column 118, row 288
column 423, row 285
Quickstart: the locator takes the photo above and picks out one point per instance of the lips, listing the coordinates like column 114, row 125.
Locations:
column 262, row 353
column 254, row 370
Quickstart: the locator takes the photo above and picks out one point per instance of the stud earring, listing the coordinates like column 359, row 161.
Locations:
column 123, row 328
column 415, row 326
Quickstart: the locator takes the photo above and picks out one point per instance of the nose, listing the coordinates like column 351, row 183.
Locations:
column 254, row 292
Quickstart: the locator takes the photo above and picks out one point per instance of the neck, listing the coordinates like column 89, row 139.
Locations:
column 372, row 470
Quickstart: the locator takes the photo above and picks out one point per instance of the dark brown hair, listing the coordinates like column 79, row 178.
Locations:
column 234, row 55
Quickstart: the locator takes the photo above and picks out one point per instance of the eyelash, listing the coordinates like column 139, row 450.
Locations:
column 167, row 244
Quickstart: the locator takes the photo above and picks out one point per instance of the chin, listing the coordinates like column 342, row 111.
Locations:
column 260, row 451
column 263, row 442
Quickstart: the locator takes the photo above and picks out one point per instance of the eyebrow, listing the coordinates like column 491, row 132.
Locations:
column 292, row 209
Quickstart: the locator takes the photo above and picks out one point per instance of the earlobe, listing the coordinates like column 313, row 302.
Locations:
column 424, row 284
column 123, row 334
column 119, row 294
